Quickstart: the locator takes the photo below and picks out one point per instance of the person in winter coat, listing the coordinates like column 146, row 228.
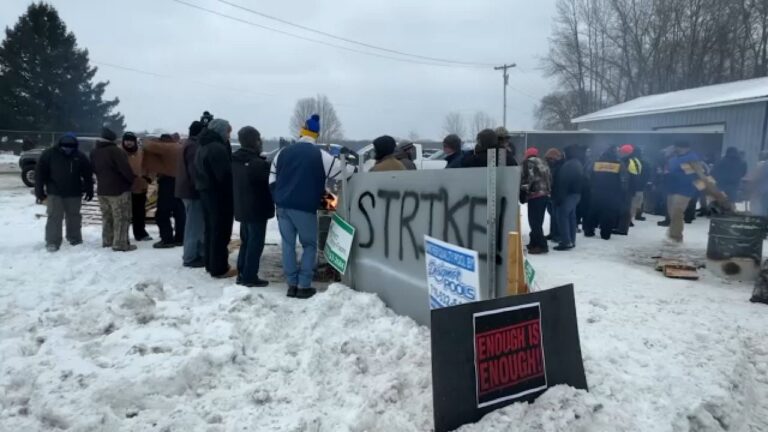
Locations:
column 406, row 153
column 135, row 154
column 386, row 160
column 630, row 176
column 213, row 179
column 297, row 180
column 114, row 178
column 253, row 205
column 729, row 172
column 194, row 226
column 505, row 142
column 643, row 179
column 162, row 158
column 536, row 185
column 758, row 186
column 452, row 149
column 607, row 195
column 566, row 196
column 63, row 177
column 487, row 140
column 681, row 188
column 554, row 159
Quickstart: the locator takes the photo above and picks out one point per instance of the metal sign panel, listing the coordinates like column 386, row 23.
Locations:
column 392, row 211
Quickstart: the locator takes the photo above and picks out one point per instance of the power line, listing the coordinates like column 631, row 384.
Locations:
column 157, row 75
column 352, row 41
column 317, row 41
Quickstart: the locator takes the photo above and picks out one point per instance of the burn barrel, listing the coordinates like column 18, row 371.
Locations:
column 735, row 246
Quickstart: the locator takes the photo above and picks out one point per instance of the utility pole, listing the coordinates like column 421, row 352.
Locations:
column 505, row 68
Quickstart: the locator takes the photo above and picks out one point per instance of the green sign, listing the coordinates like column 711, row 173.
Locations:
column 339, row 243
column 530, row 274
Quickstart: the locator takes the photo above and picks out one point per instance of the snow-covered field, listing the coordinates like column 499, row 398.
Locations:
column 92, row 340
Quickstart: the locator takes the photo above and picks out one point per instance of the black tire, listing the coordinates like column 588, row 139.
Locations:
column 28, row 175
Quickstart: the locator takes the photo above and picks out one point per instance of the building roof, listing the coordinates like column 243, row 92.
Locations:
column 734, row 93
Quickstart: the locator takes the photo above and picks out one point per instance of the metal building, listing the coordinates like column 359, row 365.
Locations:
column 739, row 110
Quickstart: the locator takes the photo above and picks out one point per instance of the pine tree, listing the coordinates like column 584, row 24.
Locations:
column 46, row 81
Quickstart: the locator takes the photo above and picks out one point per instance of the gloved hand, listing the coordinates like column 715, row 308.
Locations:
column 88, row 195
column 40, row 198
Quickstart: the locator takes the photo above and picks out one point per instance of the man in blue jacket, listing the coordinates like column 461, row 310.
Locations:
column 297, row 179
column 682, row 175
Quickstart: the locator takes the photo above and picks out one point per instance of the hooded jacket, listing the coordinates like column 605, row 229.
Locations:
column 61, row 174
column 114, row 175
column 136, row 159
column 730, row 170
column 250, row 179
column 162, row 157
column 213, row 165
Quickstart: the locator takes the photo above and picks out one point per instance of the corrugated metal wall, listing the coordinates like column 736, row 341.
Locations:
column 743, row 125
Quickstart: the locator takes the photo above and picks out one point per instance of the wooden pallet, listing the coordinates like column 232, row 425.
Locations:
column 676, row 269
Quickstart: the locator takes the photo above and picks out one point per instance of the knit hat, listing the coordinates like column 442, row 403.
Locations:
column 554, row 154
column 195, row 128
column 130, row 136
column 384, row 146
column 452, row 142
column 108, row 134
column 486, row 139
column 250, row 138
column 311, row 127
column 626, row 150
column 220, row 126
column 68, row 140
column 502, row 132
column 532, row 151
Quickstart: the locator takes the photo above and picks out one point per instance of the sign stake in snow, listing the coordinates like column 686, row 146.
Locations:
column 339, row 243
column 453, row 275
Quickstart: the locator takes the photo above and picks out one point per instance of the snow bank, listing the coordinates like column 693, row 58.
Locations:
column 93, row 340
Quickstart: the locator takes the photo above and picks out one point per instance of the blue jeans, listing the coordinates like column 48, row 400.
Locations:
column 252, row 235
column 292, row 223
column 194, row 231
column 566, row 219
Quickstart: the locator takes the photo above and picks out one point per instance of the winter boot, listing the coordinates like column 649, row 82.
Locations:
column 52, row 248
column 292, row 291
column 128, row 248
column 305, row 293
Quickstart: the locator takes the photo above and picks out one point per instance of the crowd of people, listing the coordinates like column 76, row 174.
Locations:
column 203, row 187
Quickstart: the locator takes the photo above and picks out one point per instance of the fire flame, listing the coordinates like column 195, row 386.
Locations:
column 329, row 202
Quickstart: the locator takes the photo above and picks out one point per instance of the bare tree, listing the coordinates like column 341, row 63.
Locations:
column 556, row 111
column 454, row 124
column 604, row 52
column 413, row 136
column 481, row 120
column 330, row 125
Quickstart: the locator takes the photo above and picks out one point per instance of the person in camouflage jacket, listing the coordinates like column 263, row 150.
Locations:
column 535, row 189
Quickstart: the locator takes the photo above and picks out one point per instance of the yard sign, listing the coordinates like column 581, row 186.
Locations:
column 339, row 243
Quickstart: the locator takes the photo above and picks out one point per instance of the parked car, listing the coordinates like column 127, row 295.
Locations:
column 28, row 159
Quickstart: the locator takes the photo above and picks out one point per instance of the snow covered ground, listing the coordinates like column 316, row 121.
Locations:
column 92, row 340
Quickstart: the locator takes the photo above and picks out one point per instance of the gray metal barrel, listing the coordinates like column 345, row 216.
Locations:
column 737, row 240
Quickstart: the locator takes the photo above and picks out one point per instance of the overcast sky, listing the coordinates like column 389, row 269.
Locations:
column 253, row 76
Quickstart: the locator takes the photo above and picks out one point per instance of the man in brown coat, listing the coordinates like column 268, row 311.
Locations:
column 162, row 158
column 386, row 160
column 114, row 179
column 139, row 188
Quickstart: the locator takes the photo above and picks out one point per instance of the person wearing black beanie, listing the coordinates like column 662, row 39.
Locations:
column 194, row 229
column 386, row 160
